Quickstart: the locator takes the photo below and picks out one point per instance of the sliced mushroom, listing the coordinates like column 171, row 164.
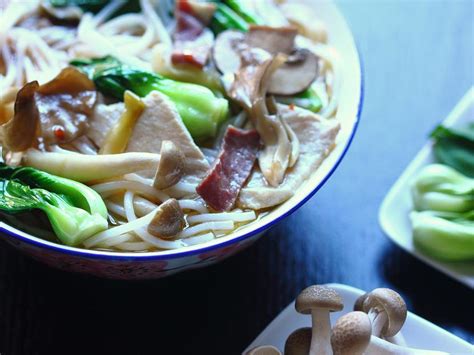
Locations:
column 351, row 334
column 56, row 112
column 171, row 167
column 301, row 65
column 296, row 75
column 19, row 133
column 249, row 89
column 272, row 39
column 319, row 301
column 168, row 220
column 226, row 51
column 298, row 342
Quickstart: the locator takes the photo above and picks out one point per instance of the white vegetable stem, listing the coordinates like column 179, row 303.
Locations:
column 81, row 167
column 320, row 340
column 379, row 346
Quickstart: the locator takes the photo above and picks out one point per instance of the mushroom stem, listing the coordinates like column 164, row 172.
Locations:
column 320, row 340
column 397, row 339
column 378, row 320
column 379, row 346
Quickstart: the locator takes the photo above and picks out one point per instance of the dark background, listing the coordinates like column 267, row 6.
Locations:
column 418, row 58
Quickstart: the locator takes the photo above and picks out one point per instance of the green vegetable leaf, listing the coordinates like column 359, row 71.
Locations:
column 200, row 110
column 448, row 239
column 244, row 12
column 74, row 210
column 95, row 6
column 307, row 99
column 225, row 19
column 455, row 147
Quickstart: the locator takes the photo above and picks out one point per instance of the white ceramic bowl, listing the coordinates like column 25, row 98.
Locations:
column 163, row 263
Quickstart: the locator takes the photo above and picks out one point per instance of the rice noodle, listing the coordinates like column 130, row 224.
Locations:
column 199, row 239
column 124, row 228
column 115, row 208
column 181, row 189
column 193, row 205
column 107, row 188
column 225, row 216
column 133, row 246
column 207, row 226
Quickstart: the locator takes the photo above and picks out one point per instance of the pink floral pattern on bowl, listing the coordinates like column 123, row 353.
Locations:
column 127, row 267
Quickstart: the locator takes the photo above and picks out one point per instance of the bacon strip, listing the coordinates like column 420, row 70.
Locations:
column 193, row 41
column 231, row 169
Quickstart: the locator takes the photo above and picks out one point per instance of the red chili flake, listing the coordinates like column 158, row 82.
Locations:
column 59, row 133
column 292, row 106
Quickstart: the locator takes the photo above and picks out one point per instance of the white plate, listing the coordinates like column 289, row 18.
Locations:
column 418, row 332
column 395, row 209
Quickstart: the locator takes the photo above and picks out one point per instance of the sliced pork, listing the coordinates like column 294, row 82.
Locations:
column 316, row 136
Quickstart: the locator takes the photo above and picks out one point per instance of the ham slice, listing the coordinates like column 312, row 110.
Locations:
column 231, row 169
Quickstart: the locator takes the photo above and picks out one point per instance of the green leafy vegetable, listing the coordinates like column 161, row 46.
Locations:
column 244, row 12
column 95, row 6
column 440, row 188
column 74, row 210
column 307, row 99
column 449, row 239
column 455, row 147
column 199, row 108
column 225, row 19
column 444, row 227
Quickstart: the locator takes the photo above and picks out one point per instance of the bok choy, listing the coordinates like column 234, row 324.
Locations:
column 200, row 109
column 443, row 223
column 455, row 147
column 74, row 210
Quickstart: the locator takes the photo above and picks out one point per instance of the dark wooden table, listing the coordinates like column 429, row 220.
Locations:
column 418, row 58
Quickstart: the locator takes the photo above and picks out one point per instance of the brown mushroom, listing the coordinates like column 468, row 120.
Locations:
column 264, row 350
column 359, row 303
column 296, row 75
column 298, row 342
column 168, row 220
column 386, row 310
column 319, row 301
column 351, row 334
column 171, row 167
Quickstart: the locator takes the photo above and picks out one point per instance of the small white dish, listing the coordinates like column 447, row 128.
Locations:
column 418, row 332
column 395, row 209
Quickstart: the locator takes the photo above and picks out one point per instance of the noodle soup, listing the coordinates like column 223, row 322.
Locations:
column 133, row 130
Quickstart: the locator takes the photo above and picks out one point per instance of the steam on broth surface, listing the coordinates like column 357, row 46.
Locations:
column 154, row 125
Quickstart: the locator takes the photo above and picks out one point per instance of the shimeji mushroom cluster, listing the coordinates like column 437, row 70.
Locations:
column 373, row 328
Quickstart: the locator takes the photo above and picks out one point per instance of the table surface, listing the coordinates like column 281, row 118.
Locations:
column 418, row 59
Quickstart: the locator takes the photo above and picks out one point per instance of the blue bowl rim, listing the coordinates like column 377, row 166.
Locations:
column 84, row 253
